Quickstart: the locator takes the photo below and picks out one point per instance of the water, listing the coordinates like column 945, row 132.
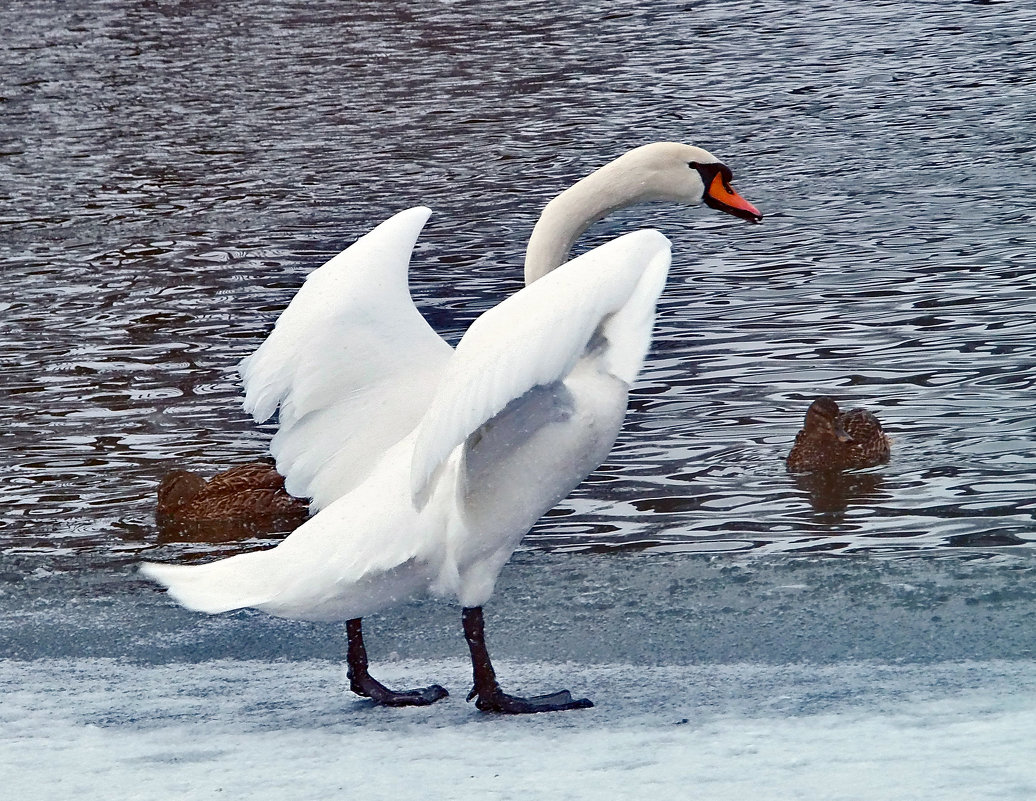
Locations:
column 169, row 171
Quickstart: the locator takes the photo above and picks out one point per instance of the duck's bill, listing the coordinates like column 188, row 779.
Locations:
column 842, row 434
column 720, row 195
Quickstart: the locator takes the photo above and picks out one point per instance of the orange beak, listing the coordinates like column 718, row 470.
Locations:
column 720, row 195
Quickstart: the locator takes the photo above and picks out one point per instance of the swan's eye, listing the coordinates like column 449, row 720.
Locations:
column 693, row 165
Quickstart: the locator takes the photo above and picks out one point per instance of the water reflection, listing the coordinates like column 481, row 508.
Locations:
column 226, row 531
column 831, row 493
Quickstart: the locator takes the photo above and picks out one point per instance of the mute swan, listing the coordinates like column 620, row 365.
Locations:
column 833, row 440
column 459, row 452
column 351, row 362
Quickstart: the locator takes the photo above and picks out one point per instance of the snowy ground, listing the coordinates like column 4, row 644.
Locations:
column 837, row 679
column 95, row 728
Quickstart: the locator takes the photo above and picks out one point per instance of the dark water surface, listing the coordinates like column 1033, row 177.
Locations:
column 169, row 172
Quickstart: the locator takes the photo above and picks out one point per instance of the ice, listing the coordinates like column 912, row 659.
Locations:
column 712, row 678
column 104, row 729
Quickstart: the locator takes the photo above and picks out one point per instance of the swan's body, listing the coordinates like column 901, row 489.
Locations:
column 523, row 412
column 430, row 465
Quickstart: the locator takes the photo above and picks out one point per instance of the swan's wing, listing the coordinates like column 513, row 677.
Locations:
column 374, row 545
column 603, row 299
column 350, row 363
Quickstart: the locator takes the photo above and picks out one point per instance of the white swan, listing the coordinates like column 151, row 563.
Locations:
column 432, row 463
column 352, row 363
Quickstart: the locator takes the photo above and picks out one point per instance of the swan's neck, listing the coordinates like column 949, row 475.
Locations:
column 615, row 186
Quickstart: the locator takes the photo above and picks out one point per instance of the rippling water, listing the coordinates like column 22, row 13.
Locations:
column 169, row 171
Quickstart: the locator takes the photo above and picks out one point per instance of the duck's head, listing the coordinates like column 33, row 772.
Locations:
column 687, row 174
column 177, row 488
column 822, row 420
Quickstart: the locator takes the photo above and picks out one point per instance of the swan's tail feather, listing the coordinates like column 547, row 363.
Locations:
column 221, row 586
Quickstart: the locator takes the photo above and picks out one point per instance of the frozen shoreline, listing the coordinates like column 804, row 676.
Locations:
column 721, row 679
column 99, row 728
column 586, row 608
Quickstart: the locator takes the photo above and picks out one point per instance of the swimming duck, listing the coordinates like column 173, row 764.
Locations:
column 834, row 440
column 429, row 464
column 245, row 500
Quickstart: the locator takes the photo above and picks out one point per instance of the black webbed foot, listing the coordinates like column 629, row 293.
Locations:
column 490, row 698
column 362, row 683
column 369, row 687
column 504, row 704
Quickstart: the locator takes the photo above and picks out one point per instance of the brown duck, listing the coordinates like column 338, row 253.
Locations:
column 245, row 500
column 833, row 440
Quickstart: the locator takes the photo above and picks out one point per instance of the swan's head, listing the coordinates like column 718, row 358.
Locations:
column 667, row 171
column 686, row 174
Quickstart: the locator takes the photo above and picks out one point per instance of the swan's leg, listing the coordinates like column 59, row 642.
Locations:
column 490, row 697
column 361, row 682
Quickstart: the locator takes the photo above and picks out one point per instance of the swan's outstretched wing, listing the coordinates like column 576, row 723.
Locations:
column 603, row 299
column 350, row 362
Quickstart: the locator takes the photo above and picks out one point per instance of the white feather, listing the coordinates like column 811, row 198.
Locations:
column 536, row 336
column 375, row 546
column 333, row 360
column 351, row 364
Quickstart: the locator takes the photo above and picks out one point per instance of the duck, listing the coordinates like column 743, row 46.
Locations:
column 461, row 450
column 832, row 440
column 244, row 501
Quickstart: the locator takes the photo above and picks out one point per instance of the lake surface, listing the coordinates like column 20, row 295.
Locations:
column 170, row 171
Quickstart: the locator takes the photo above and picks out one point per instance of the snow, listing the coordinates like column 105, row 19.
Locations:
column 826, row 679
column 103, row 728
